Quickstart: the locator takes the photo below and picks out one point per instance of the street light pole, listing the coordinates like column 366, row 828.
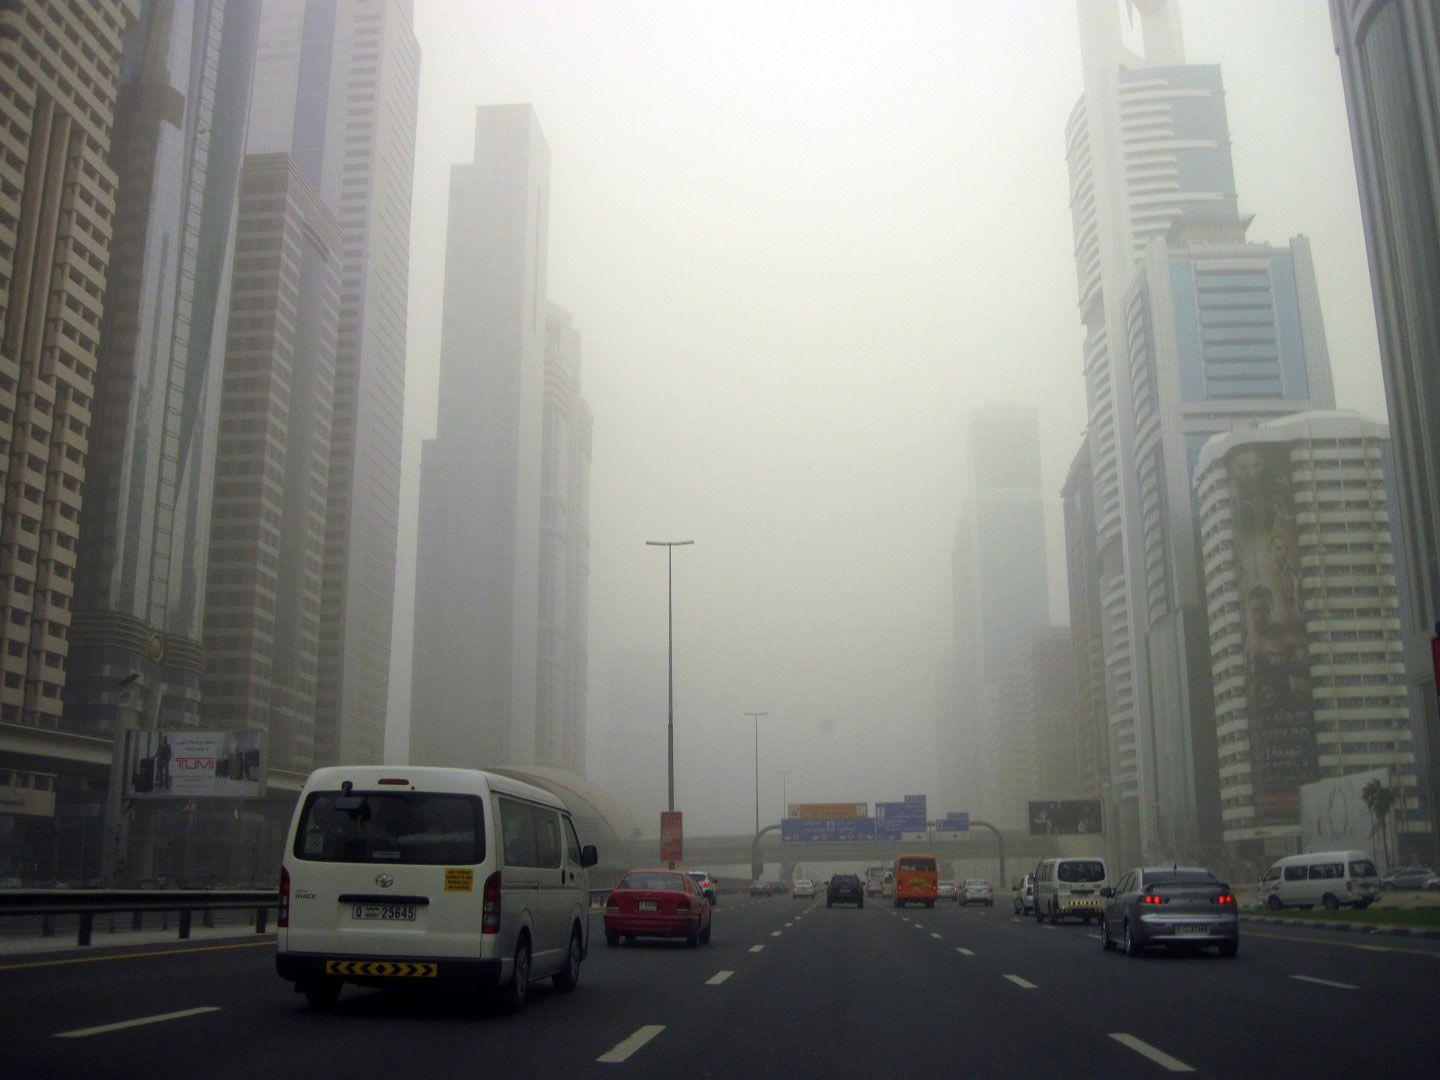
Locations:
column 670, row 546
column 784, row 775
column 756, row 717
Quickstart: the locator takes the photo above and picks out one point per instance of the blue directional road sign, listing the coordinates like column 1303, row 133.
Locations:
column 955, row 821
column 826, row 830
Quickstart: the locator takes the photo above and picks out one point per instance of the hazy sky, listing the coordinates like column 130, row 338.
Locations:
column 802, row 241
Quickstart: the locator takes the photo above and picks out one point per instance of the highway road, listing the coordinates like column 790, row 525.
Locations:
column 787, row 988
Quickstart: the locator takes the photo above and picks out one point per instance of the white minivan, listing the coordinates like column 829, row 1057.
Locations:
column 1332, row 879
column 1070, row 887
column 434, row 876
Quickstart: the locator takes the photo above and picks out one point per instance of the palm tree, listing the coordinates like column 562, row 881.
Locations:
column 1380, row 801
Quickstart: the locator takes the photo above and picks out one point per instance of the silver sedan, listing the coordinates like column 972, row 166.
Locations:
column 1182, row 907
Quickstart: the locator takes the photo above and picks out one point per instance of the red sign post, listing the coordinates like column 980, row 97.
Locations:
column 671, row 836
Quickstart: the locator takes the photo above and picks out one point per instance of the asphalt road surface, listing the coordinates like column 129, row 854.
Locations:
column 786, row 988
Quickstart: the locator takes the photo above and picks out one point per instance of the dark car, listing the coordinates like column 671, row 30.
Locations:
column 1177, row 907
column 845, row 889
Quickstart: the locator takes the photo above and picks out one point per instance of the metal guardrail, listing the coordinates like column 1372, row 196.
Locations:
column 87, row 903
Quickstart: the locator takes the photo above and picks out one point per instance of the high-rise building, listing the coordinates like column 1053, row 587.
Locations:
column 1390, row 63
column 1303, row 590
column 267, row 542
column 502, row 566
column 1189, row 331
column 59, row 76
column 140, row 578
column 1082, row 576
column 564, row 551
column 336, row 89
column 959, row 713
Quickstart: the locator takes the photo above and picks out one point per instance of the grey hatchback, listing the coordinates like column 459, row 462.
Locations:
column 1170, row 906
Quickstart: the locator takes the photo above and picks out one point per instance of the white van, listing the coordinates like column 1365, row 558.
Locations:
column 1070, row 887
column 1332, row 878
column 400, row 873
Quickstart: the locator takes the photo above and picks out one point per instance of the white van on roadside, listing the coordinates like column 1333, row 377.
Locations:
column 1333, row 879
column 402, row 874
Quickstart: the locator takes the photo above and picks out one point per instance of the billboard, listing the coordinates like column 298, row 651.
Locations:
column 1277, row 661
column 1065, row 817
column 672, row 836
column 832, row 831
column 829, row 810
column 1334, row 817
column 188, row 764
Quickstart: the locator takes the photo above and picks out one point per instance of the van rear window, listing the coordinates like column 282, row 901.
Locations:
column 394, row 827
column 1080, row 870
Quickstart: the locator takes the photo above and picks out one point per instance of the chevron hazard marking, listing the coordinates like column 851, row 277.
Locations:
column 382, row 969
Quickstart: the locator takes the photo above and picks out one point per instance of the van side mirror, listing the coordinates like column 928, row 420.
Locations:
column 1107, row 892
column 589, row 856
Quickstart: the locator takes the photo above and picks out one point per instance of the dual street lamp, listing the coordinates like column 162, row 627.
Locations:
column 670, row 546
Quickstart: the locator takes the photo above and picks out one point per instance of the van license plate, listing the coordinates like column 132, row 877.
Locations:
column 387, row 912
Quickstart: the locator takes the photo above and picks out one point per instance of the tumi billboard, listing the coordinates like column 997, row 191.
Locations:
column 188, row 764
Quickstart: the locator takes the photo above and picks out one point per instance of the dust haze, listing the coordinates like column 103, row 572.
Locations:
column 803, row 243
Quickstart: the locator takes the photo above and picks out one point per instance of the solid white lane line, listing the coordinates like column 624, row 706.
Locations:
column 1018, row 981
column 622, row 1050
column 963, row 951
column 756, row 948
column 718, row 978
column 774, row 933
column 934, row 935
column 103, row 1029
column 1164, row 1060
column 1325, row 982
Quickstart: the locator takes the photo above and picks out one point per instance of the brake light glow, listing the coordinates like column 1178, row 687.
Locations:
column 1225, row 898
column 283, row 919
column 1151, row 898
column 490, row 905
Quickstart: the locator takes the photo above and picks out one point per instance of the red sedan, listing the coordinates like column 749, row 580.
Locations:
column 656, row 903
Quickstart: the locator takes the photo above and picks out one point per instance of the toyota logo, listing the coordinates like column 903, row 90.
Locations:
column 384, row 880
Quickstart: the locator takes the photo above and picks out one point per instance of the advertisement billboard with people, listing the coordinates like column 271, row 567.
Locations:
column 195, row 764
column 1065, row 817
column 1277, row 660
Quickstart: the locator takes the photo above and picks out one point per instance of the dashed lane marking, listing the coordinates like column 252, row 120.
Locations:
column 1023, row 984
column 718, row 978
column 1325, row 982
column 774, row 933
column 1047, row 926
column 963, row 951
column 622, row 1050
column 934, row 935
column 756, row 948
column 1164, row 1060
column 103, row 1029
column 1095, row 936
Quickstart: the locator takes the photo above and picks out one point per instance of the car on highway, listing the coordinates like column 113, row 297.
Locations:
column 1407, row 877
column 655, row 902
column 760, row 888
column 1069, row 888
column 1433, row 884
column 875, row 887
column 1185, row 907
column 1332, row 879
column 947, row 890
column 1023, row 902
column 393, row 875
column 977, row 891
column 802, row 889
column 706, row 884
column 844, row 889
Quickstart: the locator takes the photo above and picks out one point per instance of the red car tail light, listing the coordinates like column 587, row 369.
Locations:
column 283, row 919
column 490, row 905
column 611, row 904
column 682, row 905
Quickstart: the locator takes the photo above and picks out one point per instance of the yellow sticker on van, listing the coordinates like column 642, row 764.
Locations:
column 459, row 879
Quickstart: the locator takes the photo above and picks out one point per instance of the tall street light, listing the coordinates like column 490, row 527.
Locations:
column 756, row 717
column 784, row 775
column 670, row 546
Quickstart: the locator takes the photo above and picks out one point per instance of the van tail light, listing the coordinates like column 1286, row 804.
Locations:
column 1226, row 898
column 490, row 905
column 283, row 919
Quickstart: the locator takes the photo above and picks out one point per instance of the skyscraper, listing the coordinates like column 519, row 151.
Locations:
column 1390, row 62
column 1078, row 508
column 267, row 544
column 335, row 88
column 140, row 576
column 1303, row 591
column 1189, row 330
column 502, row 567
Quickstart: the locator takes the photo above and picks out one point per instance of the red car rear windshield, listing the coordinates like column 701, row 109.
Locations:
column 652, row 881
